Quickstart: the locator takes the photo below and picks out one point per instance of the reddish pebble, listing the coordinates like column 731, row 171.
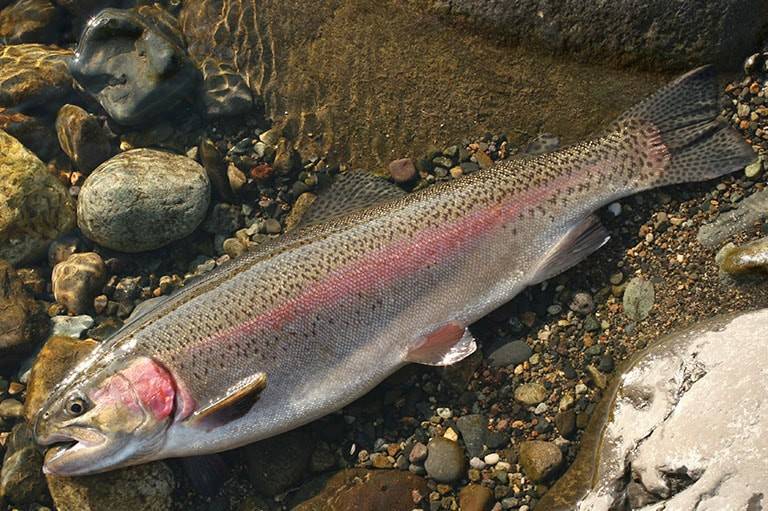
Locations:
column 261, row 172
column 402, row 170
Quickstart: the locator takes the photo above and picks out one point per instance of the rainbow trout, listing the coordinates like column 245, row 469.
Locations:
column 375, row 280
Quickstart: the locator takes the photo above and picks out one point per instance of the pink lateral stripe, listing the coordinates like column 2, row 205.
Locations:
column 389, row 263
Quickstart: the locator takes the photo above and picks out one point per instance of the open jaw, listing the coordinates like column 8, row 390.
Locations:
column 74, row 453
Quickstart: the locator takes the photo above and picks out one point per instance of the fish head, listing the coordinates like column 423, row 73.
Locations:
column 107, row 416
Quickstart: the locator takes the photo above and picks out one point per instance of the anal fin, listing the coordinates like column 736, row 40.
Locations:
column 236, row 402
column 447, row 345
column 581, row 240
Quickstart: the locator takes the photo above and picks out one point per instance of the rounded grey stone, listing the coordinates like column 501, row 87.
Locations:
column 638, row 299
column 143, row 199
column 511, row 353
column 445, row 460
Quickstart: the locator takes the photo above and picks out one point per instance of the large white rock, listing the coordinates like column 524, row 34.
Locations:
column 689, row 425
column 143, row 199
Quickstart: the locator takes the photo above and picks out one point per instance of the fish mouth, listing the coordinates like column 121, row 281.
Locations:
column 73, row 454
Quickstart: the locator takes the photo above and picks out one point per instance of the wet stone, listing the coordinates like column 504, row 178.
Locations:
column 638, row 299
column 57, row 357
column 361, row 490
column 70, row 326
column 540, row 460
column 748, row 260
column 473, row 431
column 35, row 208
column 21, row 478
column 510, row 353
column 77, row 280
column 143, row 199
column 20, row 317
column 141, row 53
column 565, row 422
column 582, row 303
column 147, row 487
column 34, row 75
column 445, row 460
column 402, row 170
column 29, row 21
column 531, row 393
column 34, row 133
column 418, row 453
column 82, row 138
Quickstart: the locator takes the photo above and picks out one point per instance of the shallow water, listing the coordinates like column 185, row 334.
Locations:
column 370, row 81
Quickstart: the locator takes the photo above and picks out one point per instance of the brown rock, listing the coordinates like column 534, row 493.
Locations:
column 216, row 169
column 475, row 497
column 566, row 423
column 483, row 159
column 56, row 358
column 33, row 133
column 82, row 138
column 35, row 208
column 286, row 158
column 362, row 490
column 21, row 479
column 29, row 21
column 77, row 280
column 402, row 170
column 147, row 487
column 540, row 459
column 34, row 75
column 21, row 319
column 300, row 207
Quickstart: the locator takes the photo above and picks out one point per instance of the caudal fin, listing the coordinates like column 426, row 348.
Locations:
column 682, row 118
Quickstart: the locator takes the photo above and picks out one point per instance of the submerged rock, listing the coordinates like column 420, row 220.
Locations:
column 21, row 320
column 143, row 199
column 35, row 208
column 82, row 138
column 148, row 487
column 688, row 414
column 78, row 280
column 311, row 65
column 21, row 478
column 134, row 63
column 664, row 34
column 33, row 133
column 361, row 490
column 29, row 21
column 34, row 75
column 57, row 357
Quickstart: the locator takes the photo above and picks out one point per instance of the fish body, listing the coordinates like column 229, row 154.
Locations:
column 319, row 317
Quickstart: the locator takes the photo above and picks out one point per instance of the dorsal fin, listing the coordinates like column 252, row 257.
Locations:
column 350, row 191
column 235, row 403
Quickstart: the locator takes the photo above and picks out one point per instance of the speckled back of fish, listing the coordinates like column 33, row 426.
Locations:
column 327, row 312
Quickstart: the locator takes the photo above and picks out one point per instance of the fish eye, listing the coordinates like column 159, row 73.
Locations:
column 76, row 406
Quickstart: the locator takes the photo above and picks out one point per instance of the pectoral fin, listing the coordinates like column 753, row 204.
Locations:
column 445, row 346
column 236, row 402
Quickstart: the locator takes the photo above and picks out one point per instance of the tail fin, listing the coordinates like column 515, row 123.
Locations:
column 685, row 116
